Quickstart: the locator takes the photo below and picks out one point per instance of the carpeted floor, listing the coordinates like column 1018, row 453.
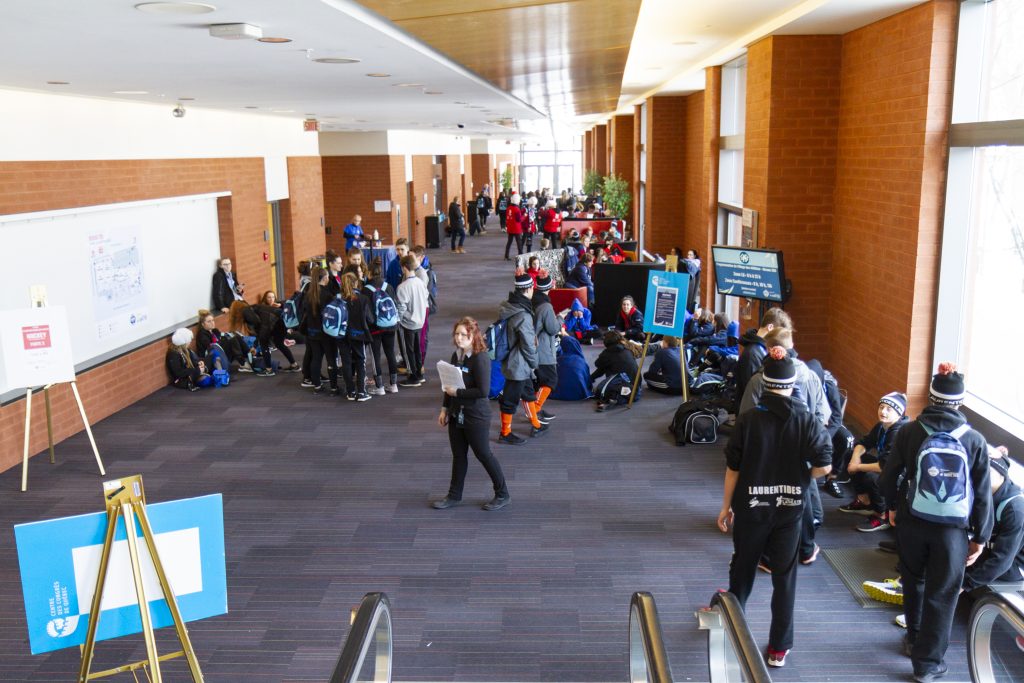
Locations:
column 326, row 500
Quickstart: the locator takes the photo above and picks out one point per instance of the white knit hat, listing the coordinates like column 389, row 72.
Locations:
column 181, row 337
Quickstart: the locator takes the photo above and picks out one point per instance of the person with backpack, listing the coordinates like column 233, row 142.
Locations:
column 516, row 348
column 482, row 209
column 514, row 221
column 383, row 329
column 936, row 485
column 753, row 349
column 773, row 455
column 548, row 328
column 265, row 321
column 457, row 223
column 412, row 299
column 502, row 208
column 467, row 414
column 617, row 365
column 352, row 346
column 318, row 296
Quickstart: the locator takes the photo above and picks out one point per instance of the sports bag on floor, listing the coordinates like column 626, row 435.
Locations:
column 695, row 422
column 941, row 491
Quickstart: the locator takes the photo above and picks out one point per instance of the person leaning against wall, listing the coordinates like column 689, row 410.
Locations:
column 226, row 287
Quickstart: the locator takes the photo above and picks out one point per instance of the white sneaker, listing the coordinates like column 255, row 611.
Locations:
column 392, row 388
column 901, row 621
column 376, row 391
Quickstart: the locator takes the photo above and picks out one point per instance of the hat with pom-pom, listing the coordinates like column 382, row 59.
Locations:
column 947, row 387
column 523, row 279
column 181, row 337
column 896, row 401
column 544, row 281
column 779, row 371
column 515, row 199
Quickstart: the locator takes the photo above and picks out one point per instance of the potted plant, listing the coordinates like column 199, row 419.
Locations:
column 592, row 183
column 616, row 196
column 506, row 180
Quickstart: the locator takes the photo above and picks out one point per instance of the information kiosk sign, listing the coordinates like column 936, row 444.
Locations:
column 665, row 311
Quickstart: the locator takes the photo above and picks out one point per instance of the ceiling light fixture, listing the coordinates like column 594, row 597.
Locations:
column 271, row 39
column 251, row 106
column 407, row 85
column 175, row 7
column 432, row 92
column 58, row 83
column 685, row 42
column 131, row 92
column 186, row 99
column 378, row 74
column 337, row 60
column 235, row 31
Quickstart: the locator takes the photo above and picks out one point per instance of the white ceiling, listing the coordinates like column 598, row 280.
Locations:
column 103, row 46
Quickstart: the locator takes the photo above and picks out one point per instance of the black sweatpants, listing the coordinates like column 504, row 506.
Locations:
column 778, row 541
column 519, row 243
column 866, row 483
column 932, row 570
column 472, row 435
column 413, row 354
column 384, row 340
column 553, row 238
column 514, row 391
column 547, row 376
column 322, row 347
column 353, row 364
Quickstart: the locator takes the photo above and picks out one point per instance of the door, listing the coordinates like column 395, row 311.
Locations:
column 273, row 247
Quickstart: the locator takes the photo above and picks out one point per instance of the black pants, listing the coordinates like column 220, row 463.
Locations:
column 519, row 243
column 932, row 569
column 277, row 335
column 553, row 238
column 501, row 219
column 460, row 233
column 514, row 391
column 472, row 435
column 778, row 540
column 659, row 383
column 384, row 340
column 353, row 364
column 866, row 483
column 323, row 347
column 842, row 449
column 413, row 355
column 528, row 240
column 547, row 376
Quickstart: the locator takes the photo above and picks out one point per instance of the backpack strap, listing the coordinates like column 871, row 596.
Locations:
column 960, row 431
column 1002, row 506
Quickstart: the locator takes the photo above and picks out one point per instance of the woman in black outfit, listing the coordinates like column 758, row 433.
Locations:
column 318, row 295
column 467, row 414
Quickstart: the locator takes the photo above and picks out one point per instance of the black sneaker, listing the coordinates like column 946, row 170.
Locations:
column 445, row 503
column 335, row 391
column 409, row 382
column 601, row 407
column 511, row 439
column 266, row 373
column 497, row 503
column 832, row 488
column 858, row 508
column 362, row 396
column 843, row 477
column 307, row 383
column 318, row 389
column 545, row 416
column 351, row 396
column 933, row 675
column 888, row 546
column 294, row 367
column 537, row 431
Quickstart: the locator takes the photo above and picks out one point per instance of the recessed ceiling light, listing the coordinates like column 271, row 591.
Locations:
column 186, row 99
column 251, row 106
column 457, row 102
column 378, row 74
column 58, row 83
column 685, row 42
column 407, row 85
column 308, row 114
column 131, row 92
column 270, row 39
column 432, row 92
column 337, row 60
column 175, row 7
column 361, row 121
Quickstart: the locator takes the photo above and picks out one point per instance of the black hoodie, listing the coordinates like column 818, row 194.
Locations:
column 903, row 460
column 771, row 446
column 751, row 358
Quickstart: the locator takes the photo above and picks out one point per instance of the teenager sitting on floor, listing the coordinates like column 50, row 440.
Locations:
column 665, row 374
column 574, row 382
column 578, row 325
column 617, row 366
column 630, row 320
column 185, row 368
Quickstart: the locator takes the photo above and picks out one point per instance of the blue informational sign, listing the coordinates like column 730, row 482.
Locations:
column 750, row 273
column 666, row 302
column 60, row 559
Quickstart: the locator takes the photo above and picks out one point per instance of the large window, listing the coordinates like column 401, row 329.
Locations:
column 730, row 172
column 981, row 295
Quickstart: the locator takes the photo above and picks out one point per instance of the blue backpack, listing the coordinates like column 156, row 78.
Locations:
column 941, row 492
column 572, row 257
column 291, row 309
column 334, row 318
column 432, row 292
column 496, row 337
column 385, row 311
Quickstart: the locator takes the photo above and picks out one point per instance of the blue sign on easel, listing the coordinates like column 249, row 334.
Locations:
column 666, row 302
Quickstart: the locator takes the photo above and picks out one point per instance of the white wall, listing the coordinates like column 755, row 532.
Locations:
column 46, row 127
column 353, row 144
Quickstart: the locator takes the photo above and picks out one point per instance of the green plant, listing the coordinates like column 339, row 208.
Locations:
column 506, row 179
column 616, row 196
column 592, row 183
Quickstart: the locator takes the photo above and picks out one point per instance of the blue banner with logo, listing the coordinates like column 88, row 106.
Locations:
column 59, row 560
column 666, row 302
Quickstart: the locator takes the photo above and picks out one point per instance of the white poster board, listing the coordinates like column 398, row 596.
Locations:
column 35, row 345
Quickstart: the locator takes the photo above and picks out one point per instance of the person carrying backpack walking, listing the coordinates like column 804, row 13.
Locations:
column 944, row 496
column 549, row 329
column 516, row 317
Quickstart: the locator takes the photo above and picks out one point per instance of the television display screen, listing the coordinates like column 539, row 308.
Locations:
column 750, row 273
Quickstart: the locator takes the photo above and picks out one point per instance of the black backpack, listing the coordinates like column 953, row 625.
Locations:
column 696, row 421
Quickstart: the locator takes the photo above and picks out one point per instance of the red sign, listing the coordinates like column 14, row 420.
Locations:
column 36, row 337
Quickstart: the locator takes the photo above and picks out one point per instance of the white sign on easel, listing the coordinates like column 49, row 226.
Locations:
column 35, row 344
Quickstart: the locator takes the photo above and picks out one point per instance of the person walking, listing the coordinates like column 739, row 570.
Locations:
column 467, row 414
column 518, row 367
column 514, row 226
column 458, row 225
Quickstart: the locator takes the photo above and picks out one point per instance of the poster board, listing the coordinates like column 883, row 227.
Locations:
column 35, row 348
column 59, row 561
column 750, row 273
column 665, row 311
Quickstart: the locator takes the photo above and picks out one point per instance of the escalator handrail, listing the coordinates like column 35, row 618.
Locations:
column 367, row 616
column 747, row 652
column 992, row 604
column 652, row 640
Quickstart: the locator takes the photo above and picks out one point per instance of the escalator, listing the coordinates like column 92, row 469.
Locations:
column 996, row 638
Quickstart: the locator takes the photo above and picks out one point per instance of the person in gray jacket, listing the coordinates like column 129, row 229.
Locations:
column 518, row 367
column 549, row 329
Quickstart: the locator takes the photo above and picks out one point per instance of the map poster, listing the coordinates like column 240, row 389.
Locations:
column 36, row 347
column 665, row 311
column 118, row 280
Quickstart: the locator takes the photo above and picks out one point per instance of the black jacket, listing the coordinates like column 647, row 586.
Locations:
column 181, row 374
column 223, row 295
column 614, row 360
column 311, row 310
column 771, row 446
column 471, row 401
column 1005, row 553
column 903, row 461
column 261, row 320
column 359, row 317
column 751, row 358
column 205, row 339
column 455, row 217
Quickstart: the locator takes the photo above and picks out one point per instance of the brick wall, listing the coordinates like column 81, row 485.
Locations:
column 588, row 151
column 601, row 149
column 302, row 234
column 350, row 186
column 666, row 128
column 709, row 191
column 483, row 171
column 451, row 179
column 637, row 113
column 694, row 234
column 890, row 188
column 395, row 171
column 622, row 149
column 422, row 184
column 42, row 186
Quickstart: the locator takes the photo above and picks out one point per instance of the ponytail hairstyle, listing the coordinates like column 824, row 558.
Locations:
column 349, row 286
column 316, row 276
column 376, row 269
column 721, row 322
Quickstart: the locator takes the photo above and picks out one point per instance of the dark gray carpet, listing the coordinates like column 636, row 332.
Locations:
column 326, row 500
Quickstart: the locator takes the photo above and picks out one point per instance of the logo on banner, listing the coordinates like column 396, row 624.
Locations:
column 36, row 337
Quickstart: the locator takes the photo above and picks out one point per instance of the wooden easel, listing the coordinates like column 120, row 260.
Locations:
column 49, row 429
column 671, row 264
column 125, row 499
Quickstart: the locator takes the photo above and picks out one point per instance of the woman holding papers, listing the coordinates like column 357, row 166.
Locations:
column 467, row 414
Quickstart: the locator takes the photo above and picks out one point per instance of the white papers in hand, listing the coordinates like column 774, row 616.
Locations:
column 451, row 376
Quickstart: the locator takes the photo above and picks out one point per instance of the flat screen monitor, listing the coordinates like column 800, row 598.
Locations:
column 750, row 273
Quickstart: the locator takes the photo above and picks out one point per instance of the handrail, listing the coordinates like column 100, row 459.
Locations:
column 733, row 622
column 648, row 662
column 993, row 604
column 372, row 622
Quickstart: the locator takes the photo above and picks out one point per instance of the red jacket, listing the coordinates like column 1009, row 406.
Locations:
column 514, row 220
column 553, row 221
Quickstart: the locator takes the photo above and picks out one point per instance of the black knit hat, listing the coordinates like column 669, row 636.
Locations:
column 523, row 279
column 544, row 282
column 947, row 387
column 779, row 371
column 896, row 401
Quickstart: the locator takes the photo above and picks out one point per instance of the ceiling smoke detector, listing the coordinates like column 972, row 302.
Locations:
column 236, row 31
